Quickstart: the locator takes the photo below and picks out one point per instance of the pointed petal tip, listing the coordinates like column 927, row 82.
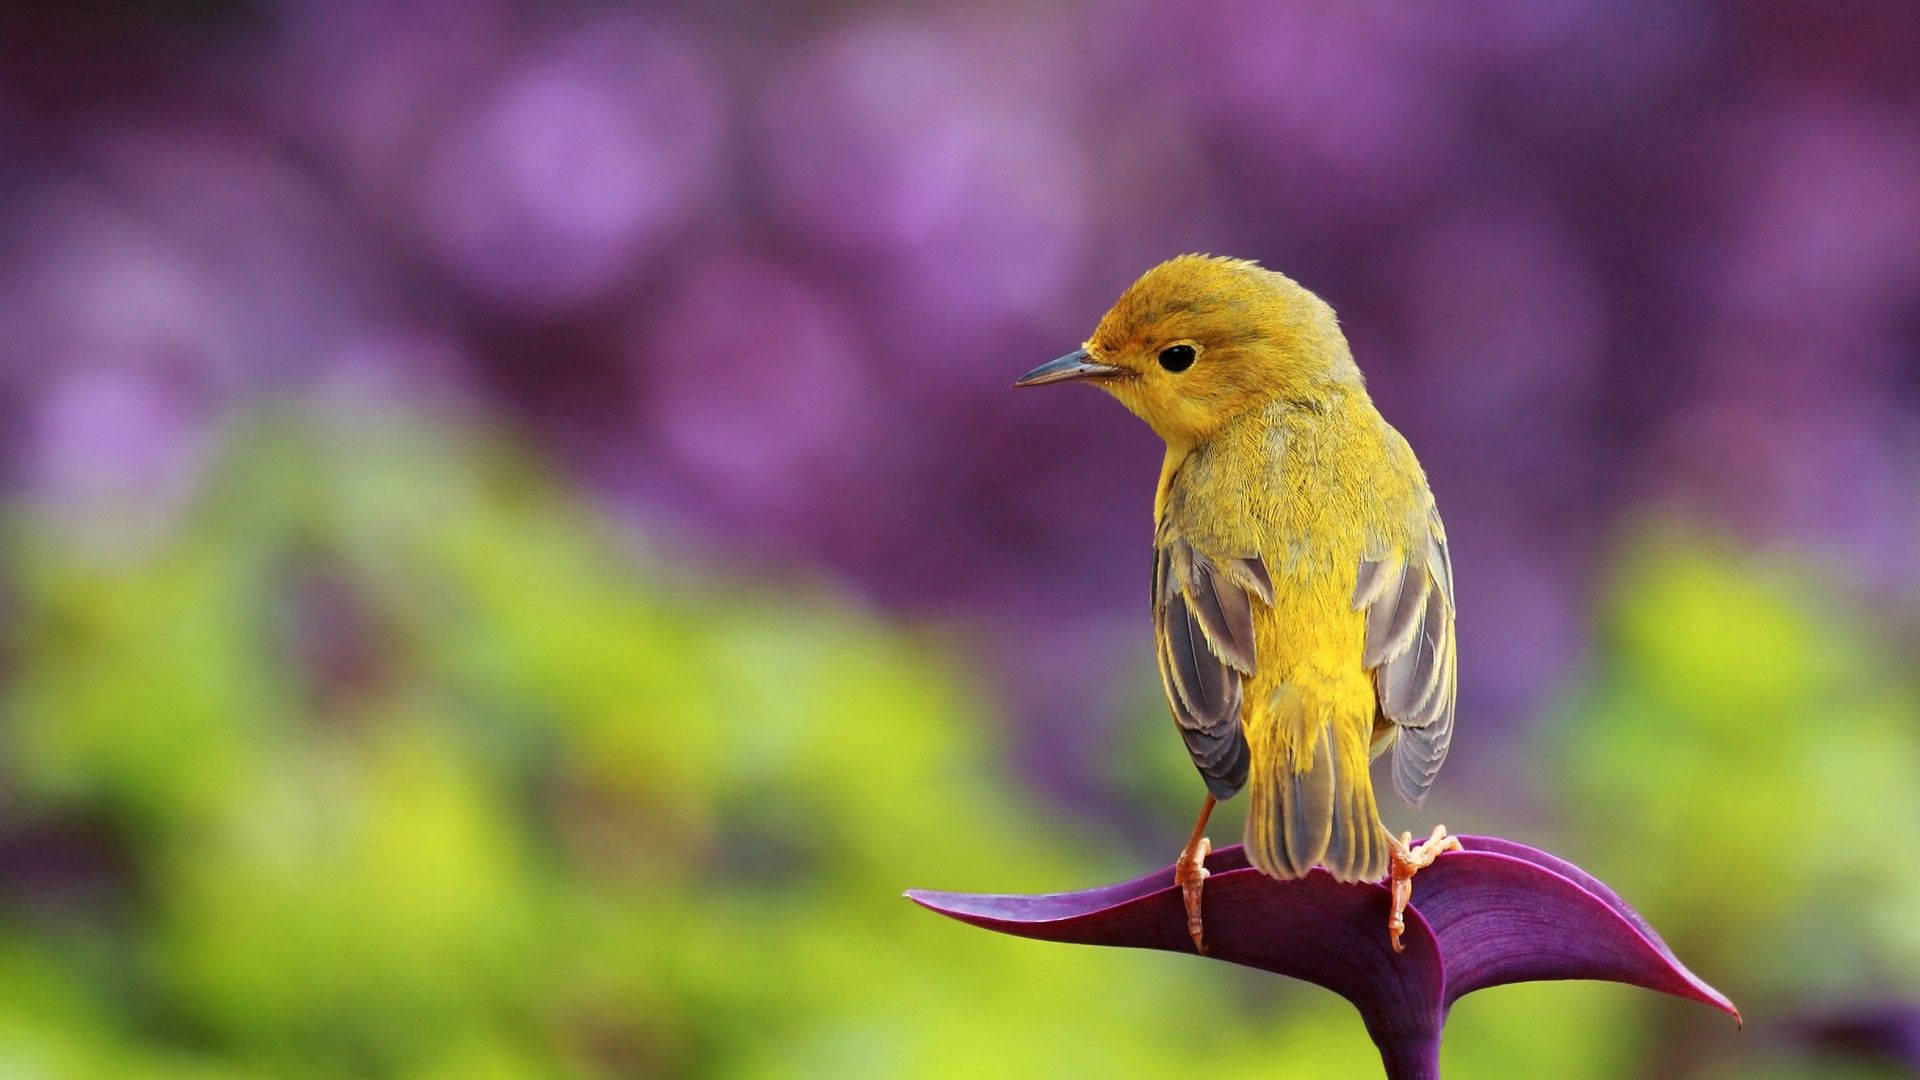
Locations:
column 1707, row 994
column 1711, row 995
column 1041, row 913
column 1003, row 907
column 958, row 905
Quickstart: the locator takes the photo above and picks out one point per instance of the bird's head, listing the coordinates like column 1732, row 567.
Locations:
column 1199, row 341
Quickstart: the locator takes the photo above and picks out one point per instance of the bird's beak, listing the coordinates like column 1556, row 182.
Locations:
column 1075, row 365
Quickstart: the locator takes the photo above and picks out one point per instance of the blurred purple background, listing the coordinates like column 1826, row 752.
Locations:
column 760, row 276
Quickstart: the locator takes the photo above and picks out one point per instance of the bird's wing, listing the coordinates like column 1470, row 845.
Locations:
column 1408, row 600
column 1203, row 633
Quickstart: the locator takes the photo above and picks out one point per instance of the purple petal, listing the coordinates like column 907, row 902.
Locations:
column 1499, row 912
column 1507, row 913
column 1497, row 846
column 1315, row 929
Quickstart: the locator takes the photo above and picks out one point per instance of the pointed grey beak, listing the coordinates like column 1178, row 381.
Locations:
column 1074, row 365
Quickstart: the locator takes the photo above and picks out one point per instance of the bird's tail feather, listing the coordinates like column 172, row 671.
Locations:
column 1311, row 796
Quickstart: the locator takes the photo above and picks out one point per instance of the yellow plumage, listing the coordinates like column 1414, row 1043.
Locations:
column 1303, row 594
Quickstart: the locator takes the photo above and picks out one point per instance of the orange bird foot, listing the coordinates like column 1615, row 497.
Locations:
column 1190, row 873
column 1409, row 860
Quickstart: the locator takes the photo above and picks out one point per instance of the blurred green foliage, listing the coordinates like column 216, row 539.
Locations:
column 1744, row 766
column 396, row 760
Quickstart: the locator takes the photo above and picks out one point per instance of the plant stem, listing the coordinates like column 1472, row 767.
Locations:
column 1414, row 1058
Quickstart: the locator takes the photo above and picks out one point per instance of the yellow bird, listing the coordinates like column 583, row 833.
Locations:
column 1302, row 589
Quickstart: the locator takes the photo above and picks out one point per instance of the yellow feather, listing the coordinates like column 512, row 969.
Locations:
column 1276, row 453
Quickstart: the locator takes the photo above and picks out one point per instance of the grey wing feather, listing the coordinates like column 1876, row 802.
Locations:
column 1225, row 614
column 1258, row 579
column 1204, row 617
column 1410, row 650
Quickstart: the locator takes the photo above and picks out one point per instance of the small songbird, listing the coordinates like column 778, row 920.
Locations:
column 1302, row 589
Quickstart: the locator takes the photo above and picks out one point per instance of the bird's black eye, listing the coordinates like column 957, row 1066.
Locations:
column 1177, row 357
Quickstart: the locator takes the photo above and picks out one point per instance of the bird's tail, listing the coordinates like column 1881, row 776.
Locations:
column 1311, row 795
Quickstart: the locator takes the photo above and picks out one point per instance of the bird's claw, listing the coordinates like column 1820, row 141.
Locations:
column 1409, row 859
column 1190, row 873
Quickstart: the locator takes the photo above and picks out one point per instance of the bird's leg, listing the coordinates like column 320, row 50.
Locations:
column 1190, row 873
column 1408, row 860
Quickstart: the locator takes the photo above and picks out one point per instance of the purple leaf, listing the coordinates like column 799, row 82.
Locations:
column 1495, row 913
